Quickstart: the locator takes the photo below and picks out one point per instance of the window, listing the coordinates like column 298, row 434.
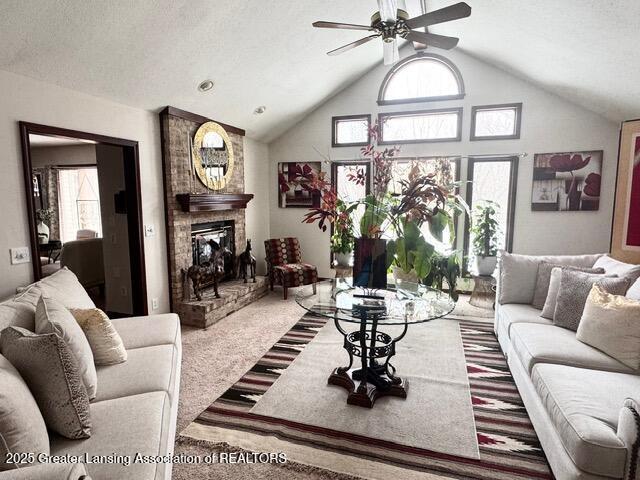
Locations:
column 78, row 202
column 492, row 179
column 421, row 78
column 350, row 130
column 421, row 126
column 496, row 122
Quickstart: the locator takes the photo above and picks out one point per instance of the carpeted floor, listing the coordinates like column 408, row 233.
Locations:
column 215, row 358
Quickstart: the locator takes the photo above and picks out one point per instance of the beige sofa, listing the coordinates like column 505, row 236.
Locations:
column 136, row 407
column 581, row 401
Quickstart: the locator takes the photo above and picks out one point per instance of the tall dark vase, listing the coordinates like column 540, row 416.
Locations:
column 370, row 263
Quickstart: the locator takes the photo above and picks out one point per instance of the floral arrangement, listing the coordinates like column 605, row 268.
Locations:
column 44, row 215
column 401, row 214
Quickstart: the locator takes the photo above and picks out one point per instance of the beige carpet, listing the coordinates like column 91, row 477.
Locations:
column 215, row 358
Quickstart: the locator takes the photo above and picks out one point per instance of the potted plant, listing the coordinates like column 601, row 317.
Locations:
column 445, row 268
column 485, row 230
column 43, row 216
column 342, row 238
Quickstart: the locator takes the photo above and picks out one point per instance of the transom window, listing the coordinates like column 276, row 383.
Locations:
column 496, row 122
column 350, row 130
column 421, row 78
column 421, row 126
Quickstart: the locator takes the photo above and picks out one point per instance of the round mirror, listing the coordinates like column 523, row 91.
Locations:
column 213, row 155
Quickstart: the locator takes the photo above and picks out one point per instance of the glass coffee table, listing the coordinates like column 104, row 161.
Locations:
column 372, row 310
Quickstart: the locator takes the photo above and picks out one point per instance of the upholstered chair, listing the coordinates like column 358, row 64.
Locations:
column 285, row 266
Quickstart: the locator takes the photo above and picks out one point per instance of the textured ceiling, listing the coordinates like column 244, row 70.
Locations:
column 149, row 54
column 587, row 51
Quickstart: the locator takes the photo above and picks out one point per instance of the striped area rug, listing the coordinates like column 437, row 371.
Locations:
column 509, row 448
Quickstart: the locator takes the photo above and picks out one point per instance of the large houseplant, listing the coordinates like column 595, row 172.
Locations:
column 419, row 201
column 485, row 230
column 342, row 236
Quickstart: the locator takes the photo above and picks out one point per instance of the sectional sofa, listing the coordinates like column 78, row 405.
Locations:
column 136, row 407
column 583, row 403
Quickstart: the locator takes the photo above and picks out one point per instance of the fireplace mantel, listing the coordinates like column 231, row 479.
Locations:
column 208, row 202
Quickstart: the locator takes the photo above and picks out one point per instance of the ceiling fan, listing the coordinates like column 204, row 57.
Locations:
column 392, row 21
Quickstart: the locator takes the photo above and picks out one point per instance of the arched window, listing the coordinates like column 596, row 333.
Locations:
column 421, row 78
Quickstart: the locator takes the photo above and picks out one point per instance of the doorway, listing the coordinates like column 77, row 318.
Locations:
column 85, row 213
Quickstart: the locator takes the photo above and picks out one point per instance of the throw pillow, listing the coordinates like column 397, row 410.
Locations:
column 611, row 323
column 52, row 317
column 544, row 278
column 634, row 291
column 611, row 265
column 22, row 428
column 106, row 344
column 518, row 273
column 48, row 367
column 17, row 314
column 573, row 293
column 62, row 286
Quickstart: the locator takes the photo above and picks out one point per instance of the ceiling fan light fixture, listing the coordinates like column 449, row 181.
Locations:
column 205, row 85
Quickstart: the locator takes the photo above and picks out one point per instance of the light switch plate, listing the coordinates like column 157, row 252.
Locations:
column 20, row 255
column 149, row 230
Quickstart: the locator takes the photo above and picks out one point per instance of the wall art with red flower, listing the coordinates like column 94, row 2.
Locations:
column 295, row 185
column 567, row 181
column 625, row 236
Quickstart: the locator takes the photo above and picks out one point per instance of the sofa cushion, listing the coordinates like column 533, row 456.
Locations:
column 147, row 369
column 106, row 345
column 574, row 291
column 22, row 428
column 17, row 314
column 518, row 273
column 137, row 332
column 48, row 367
column 611, row 265
column 53, row 317
column 611, row 323
column 537, row 343
column 513, row 313
column 63, row 286
column 52, row 471
column 584, row 406
column 123, row 426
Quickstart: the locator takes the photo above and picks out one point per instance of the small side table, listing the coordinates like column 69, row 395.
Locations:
column 484, row 291
column 343, row 272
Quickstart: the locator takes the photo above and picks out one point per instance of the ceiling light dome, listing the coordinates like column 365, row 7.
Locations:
column 205, row 85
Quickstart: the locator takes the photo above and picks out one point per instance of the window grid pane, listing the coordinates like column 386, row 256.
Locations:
column 351, row 131
column 422, row 78
column 425, row 126
column 495, row 122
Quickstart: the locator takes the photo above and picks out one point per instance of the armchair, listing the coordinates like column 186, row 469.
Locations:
column 285, row 266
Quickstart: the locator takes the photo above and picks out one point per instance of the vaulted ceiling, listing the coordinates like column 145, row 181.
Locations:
column 149, row 54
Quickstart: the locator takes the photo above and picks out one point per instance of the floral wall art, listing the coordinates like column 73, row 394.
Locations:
column 294, row 185
column 568, row 181
column 625, row 237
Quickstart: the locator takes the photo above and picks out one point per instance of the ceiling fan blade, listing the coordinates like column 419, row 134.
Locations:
column 351, row 45
column 446, row 14
column 344, row 26
column 440, row 41
column 391, row 52
column 388, row 10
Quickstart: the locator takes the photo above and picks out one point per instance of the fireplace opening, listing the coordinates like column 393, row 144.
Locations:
column 223, row 234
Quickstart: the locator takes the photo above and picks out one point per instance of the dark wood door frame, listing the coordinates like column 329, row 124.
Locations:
column 134, row 202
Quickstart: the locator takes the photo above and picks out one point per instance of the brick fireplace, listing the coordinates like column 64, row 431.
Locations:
column 184, row 215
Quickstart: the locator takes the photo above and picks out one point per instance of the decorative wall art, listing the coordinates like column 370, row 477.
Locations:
column 567, row 181
column 625, row 237
column 294, row 184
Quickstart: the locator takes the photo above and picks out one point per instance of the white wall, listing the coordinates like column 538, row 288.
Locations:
column 549, row 124
column 26, row 99
column 257, row 181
